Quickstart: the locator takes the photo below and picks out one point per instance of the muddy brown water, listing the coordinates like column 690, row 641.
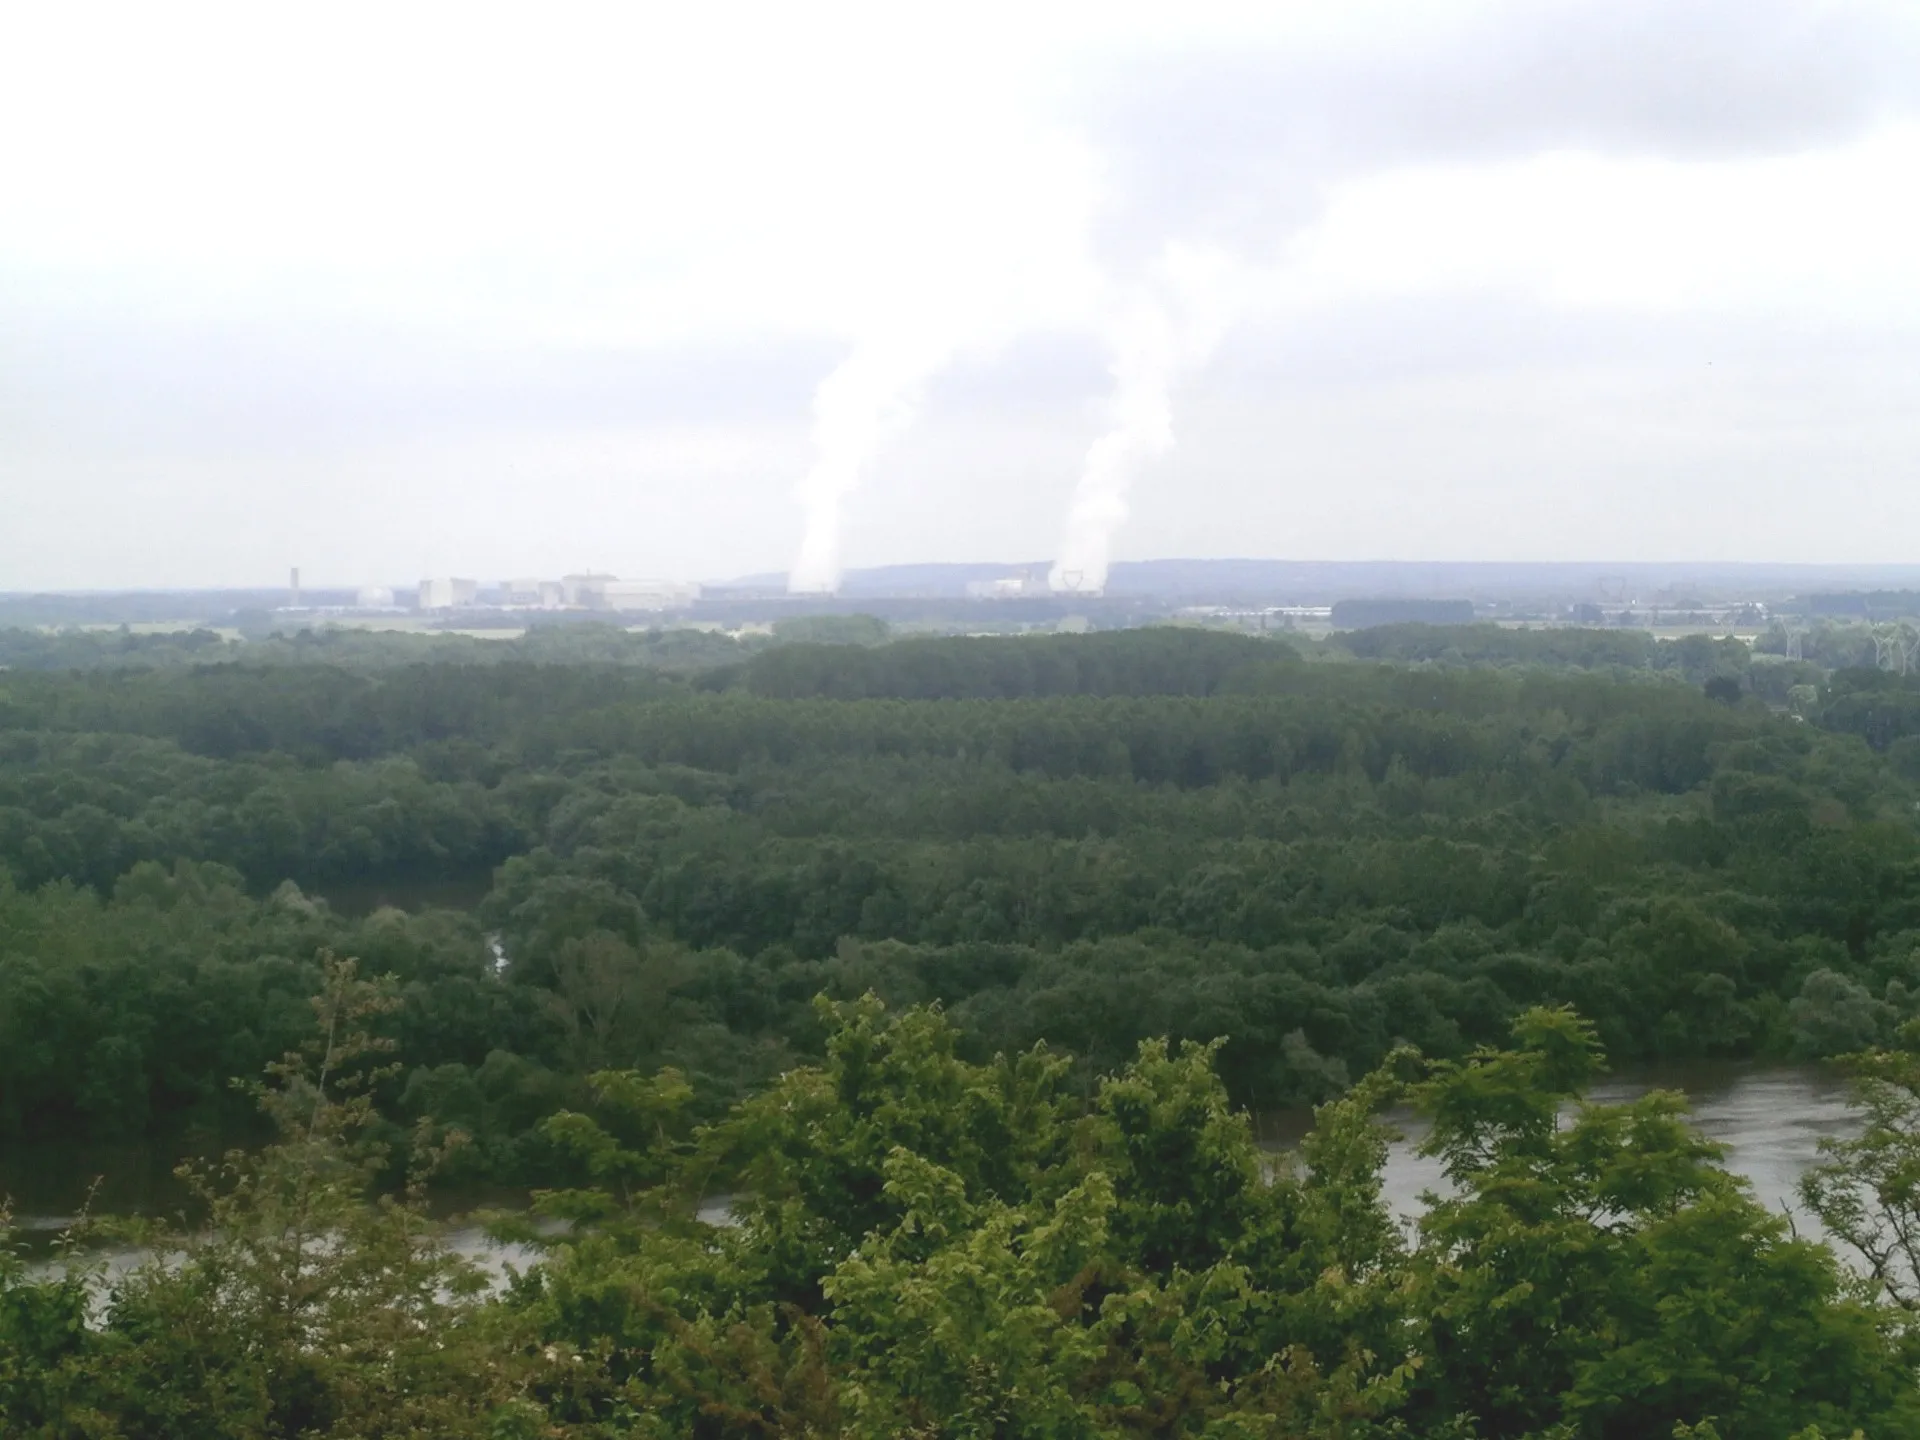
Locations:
column 1770, row 1118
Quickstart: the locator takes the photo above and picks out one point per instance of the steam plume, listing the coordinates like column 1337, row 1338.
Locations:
column 871, row 396
column 1171, row 322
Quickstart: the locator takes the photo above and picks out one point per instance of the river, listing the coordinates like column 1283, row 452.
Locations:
column 1770, row 1118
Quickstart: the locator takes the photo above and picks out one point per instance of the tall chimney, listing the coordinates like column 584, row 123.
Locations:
column 295, row 585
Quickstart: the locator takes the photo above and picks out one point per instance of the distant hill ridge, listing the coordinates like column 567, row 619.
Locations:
column 1322, row 582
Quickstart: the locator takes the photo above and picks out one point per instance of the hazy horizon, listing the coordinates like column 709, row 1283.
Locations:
column 387, row 293
column 1167, row 575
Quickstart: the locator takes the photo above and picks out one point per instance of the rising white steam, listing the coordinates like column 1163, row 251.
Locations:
column 1170, row 321
column 870, row 397
column 1144, row 367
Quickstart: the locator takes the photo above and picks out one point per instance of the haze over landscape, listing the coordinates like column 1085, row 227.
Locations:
column 1057, row 721
column 718, row 290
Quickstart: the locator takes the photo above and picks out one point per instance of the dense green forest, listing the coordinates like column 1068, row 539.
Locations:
column 1080, row 840
column 579, row 642
column 785, row 919
column 1089, row 840
column 921, row 1245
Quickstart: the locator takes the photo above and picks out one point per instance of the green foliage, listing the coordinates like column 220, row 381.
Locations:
column 929, row 1246
column 1695, row 658
column 1600, row 1270
column 1161, row 661
column 1461, row 645
column 111, row 649
column 268, row 641
column 951, row 965
column 920, row 1244
column 1866, row 1192
column 297, row 1307
column 832, row 630
column 1089, row 840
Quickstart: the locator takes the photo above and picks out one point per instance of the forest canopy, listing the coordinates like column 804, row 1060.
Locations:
column 1306, row 854
column 919, row 1244
column 966, row 968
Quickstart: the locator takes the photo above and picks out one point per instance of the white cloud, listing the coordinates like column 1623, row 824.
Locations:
column 391, row 253
column 1823, row 232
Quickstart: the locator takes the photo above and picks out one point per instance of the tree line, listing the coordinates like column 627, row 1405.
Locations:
column 923, row 1244
column 1085, row 840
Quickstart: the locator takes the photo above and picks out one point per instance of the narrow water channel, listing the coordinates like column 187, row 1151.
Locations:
column 1770, row 1118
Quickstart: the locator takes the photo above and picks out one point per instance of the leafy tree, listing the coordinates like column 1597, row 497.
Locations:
column 1866, row 1191
column 296, row 1308
column 1600, row 1272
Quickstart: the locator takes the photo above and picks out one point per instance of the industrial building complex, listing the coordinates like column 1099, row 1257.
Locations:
column 569, row 592
column 1259, row 595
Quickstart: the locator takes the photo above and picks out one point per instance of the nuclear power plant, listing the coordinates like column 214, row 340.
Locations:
column 1259, row 595
column 586, row 591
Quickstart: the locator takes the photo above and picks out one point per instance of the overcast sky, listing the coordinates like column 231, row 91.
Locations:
column 389, row 290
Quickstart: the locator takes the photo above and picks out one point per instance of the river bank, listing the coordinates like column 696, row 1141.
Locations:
column 1771, row 1120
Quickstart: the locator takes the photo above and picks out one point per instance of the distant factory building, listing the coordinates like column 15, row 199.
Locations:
column 1010, row 587
column 536, row 594
column 647, row 594
column 585, row 591
column 373, row 597
column 448, row 594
